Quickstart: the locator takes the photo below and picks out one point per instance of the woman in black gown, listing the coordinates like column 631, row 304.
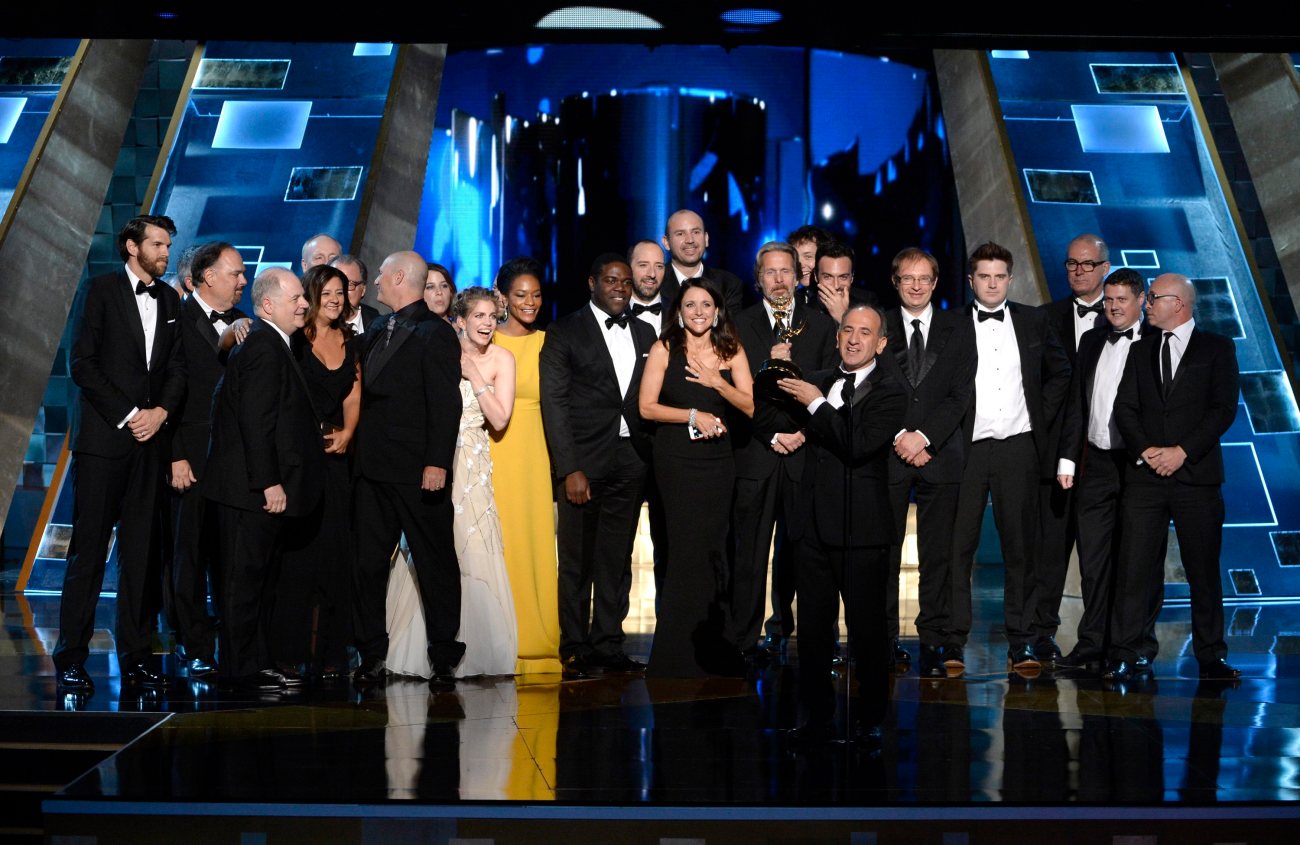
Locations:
column 312, row 625
column 696, row 374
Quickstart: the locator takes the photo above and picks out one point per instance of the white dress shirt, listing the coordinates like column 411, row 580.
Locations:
column 1178, row 344
column 219, row 325
column 835, row 393
column 1102, row 431
column 147, row 307
column 618, row 340
column 927, row 319
column 1087, row 321
column 654, row 321
column 357, row 324
column 1000, row 408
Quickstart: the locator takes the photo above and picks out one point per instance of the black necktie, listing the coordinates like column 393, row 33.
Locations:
column 620, row 321
column 142, row 288
column 778, row 325
column 1088, row 309
column 991, row 315
column 638, row 308
column 226, row 317
column 915, row 350
column 1166, row 365
column 1114, row 336
column 846, row 392
column 389, row 328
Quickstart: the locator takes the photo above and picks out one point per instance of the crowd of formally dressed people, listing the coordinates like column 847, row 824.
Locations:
column 447, row 490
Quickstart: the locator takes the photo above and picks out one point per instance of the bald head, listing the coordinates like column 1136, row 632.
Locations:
column 1170, row 301
column 319, row 249
column 685, row 239
column 401, row 279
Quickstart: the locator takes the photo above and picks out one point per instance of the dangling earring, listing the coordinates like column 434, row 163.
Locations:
column 681, row 324
column 715, row 319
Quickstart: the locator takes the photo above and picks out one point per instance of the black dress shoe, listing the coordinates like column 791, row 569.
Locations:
column 619, row 662
column 141, row 675
column 266, row 680
column 1219, row 670
column 575, row 668
column 901, row 655
column 954, row 657
column 931, row 662
column 1117, row 670
column 289, row 676
column 1078, row 661
column 370, row 673
column 1022, row 657
column 1046, row 650
column 200, row 667
column 75, row 678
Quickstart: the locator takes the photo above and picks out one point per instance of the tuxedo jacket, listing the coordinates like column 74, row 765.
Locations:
column 1044, row 373
column 204, row 366
column 812, row 350
column 939, row 394
column 108, row 363
column 581, row 403
column 1201, row 407
column 410, row 397
column 1060, row 316
column 369, row 314
column 864, row 446
column 264, row 429
column 1076, row 414
column 733, row 290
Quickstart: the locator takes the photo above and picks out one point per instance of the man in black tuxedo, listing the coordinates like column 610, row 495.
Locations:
column 363, row 314
column 266, row 467
column 933, row 352
column 1086, row 264
column 844, row 530
column 835, row 290
column 410, row 413
column 128, row 362
column 320, row 248
column 769, row 460
column 807, row 240
column 685, row 239
column 646, row 258
column 1020, row 381
column 1093, row 460
column 591, row 370
column 1178, row 396
column 218, row 272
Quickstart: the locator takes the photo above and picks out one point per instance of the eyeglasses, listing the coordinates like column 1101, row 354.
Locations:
column 1088, row 266
column 354, row 285
column 1152, row 297
column 907, row 280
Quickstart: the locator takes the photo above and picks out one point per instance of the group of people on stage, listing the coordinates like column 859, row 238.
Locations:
column 302, row 443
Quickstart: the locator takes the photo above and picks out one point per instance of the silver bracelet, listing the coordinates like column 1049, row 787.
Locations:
column 481, row 391
column 690, row 422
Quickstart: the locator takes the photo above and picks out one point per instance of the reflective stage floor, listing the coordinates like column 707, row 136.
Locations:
column 982, row 758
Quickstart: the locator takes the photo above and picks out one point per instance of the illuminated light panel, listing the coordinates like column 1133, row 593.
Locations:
column 1270, row 405
column 262, row 74
column 1120, row 78
column 596, row 17
column 1062, row 186
column 1139, row 259
column 751, row 17
column 250, row 254
column 323, row 184
column 1009, row 54
column 1286, row 547
column 1244, row 582
column 1216, row 307
column 262, row 125
column 1120, row 129
column 11, row 108
column 363, row 48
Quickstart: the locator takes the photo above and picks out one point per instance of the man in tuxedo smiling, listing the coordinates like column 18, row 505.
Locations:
column 591, row 370
column 128, row 362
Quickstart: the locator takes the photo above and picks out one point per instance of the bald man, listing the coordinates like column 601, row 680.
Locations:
column 320, row 249
column 686, row 241
column 1178, row 396
column 410, row 410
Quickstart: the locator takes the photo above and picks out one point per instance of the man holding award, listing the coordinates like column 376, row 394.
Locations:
column 783, row 339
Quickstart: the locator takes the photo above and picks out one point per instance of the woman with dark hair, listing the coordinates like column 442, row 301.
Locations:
column 439, row 290
column 523, row 475
column 696, row 374
column 314, row 601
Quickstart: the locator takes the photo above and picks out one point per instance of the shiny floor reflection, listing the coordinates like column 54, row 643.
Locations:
column 987, row 737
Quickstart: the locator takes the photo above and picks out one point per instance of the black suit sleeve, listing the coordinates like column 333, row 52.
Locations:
column 1072, row 434
column 870, row 435
column 1221, row 409
column 86, row 364
column 1128, row 403
column 1056, row 373
column 555, row 370
column 946, row 416
column 441, row 365
column 261, row 381
column 174, row 382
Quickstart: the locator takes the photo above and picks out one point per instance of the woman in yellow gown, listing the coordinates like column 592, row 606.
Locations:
column 522, row 477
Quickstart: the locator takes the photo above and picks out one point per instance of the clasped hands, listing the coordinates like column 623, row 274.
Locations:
column 1165, row 460
column 910, row 447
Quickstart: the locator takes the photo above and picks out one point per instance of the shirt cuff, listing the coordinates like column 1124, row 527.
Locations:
column 128, row 417
column 1064, row 467
column 815, row 404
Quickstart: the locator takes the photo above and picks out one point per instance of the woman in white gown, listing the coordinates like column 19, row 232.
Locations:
column 487, row 613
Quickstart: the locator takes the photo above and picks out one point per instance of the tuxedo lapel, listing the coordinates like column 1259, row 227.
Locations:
column 202, row 324
column 1195, row 346
column 938, row 338
column 125, row 299
column 595, row 329
column 401, row 334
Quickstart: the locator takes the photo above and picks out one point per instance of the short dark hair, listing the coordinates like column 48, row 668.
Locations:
column 313, row 281
column 867, row 306
column 524, row 265
column 1130, row 279
column 446, row 274
column 990, row 252
column 134, row 231
column 604, row 260
column 913, row 253
column 834, row 249
column 360, row 265
column 816, row 234
column 205, row 257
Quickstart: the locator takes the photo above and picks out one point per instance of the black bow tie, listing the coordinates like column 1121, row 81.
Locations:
column 846, row 392
column 638, row 308
column 142, row 288
column 620, row 320
column 991, row 315
column 1114, row 336
column 1088, row 309
column 227, row 317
